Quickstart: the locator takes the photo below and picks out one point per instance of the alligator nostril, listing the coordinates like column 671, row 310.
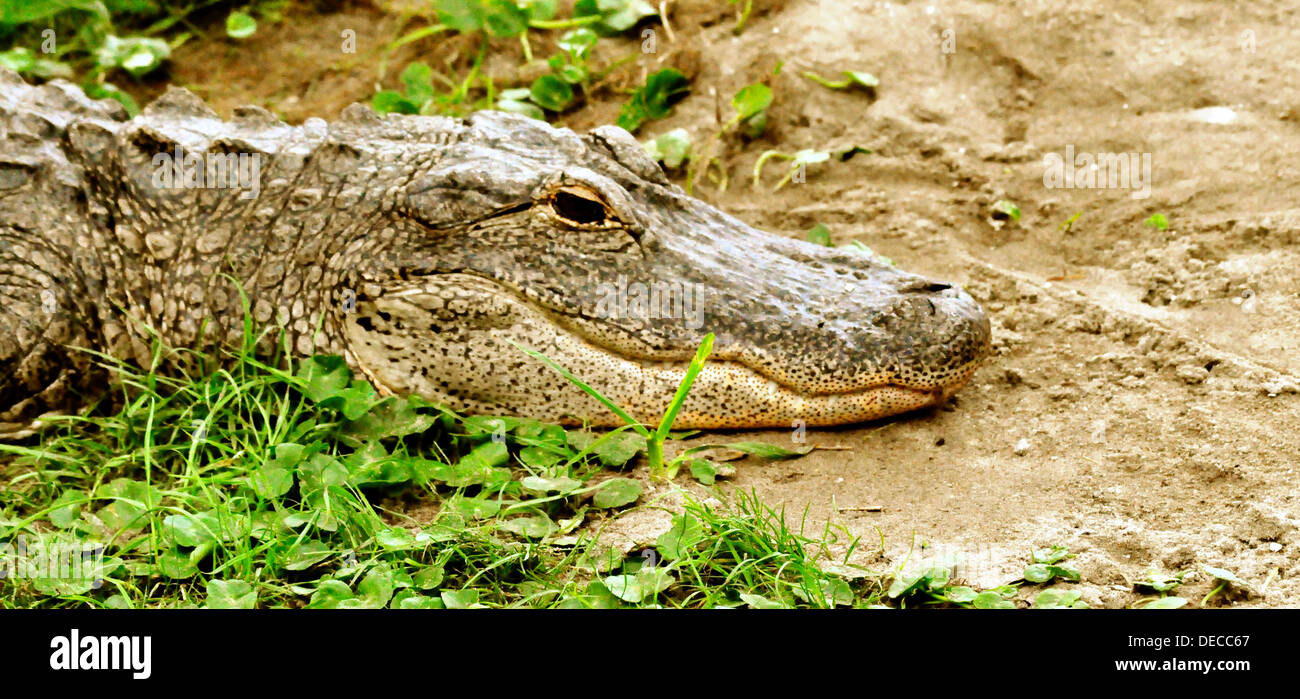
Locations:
column 925, row 286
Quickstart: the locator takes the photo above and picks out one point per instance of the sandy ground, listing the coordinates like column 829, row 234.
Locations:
column 1142, row 407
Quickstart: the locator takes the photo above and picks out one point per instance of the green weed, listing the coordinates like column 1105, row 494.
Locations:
column 247, row 481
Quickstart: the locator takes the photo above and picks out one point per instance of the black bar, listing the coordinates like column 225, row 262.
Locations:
column 969, row 648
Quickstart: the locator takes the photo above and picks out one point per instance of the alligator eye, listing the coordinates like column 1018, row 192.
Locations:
column 580, row 206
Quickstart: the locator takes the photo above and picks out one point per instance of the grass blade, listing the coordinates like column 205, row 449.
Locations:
column 697, row 364
column 633, row 423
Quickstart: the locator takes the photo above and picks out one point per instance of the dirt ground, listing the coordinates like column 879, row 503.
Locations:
column 1142, row 406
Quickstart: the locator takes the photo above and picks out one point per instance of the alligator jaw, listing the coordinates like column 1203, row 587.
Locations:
column 771, row 405
column 469, row 363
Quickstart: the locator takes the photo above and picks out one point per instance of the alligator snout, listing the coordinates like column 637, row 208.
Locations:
column 838, row 322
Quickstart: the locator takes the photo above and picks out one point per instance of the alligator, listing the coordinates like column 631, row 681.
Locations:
column 426, row 251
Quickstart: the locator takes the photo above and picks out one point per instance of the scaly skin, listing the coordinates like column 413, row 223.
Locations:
column 420, row 247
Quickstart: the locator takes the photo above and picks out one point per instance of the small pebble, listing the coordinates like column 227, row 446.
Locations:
column 1192, row 374
column 1022, row 447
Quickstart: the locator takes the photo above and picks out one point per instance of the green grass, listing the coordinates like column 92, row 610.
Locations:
column 102, row 44
column 569, row 76
column 246, row 482
column 243, row 482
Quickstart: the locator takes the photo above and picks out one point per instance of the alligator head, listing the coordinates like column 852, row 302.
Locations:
column 577, row 246
column 426, row 250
